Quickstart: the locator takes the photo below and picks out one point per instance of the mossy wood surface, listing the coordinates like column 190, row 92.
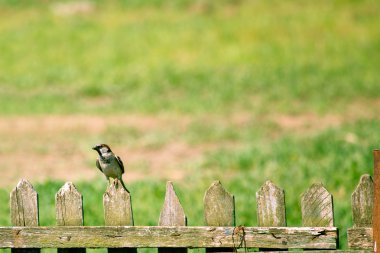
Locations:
column 219, row 210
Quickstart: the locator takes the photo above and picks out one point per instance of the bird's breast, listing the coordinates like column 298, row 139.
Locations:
column 110, row 168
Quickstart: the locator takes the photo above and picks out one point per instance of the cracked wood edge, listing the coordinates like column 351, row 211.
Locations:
column 24, row 209
column 360, row 238
column 172, row 214
column 177, row 237
column 69, row 211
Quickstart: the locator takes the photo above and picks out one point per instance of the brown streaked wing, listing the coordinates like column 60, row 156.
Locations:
column 120, row 162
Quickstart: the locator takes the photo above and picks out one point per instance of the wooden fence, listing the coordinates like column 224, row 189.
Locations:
column 172, row 235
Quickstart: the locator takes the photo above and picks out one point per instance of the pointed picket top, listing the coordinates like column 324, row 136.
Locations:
column 117, row 205
column 24, row 205
column 270, row 206
column 362, row 202
column 219, row 206
column 69, row 206
column 172, row 213
column 317, row 207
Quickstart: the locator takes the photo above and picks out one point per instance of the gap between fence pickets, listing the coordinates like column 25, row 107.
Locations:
column 163, row 236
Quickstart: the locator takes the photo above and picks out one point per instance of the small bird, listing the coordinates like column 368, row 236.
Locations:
column 109, row 163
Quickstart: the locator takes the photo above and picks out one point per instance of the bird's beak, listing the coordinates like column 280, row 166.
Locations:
column 95, row 148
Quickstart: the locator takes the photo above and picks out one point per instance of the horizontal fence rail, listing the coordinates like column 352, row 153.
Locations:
column 158, row 236
column 172, row 235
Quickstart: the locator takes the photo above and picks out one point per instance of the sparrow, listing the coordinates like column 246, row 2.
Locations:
column 109, row 163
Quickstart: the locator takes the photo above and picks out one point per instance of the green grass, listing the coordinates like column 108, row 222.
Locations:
column 233, row 56
column 205, row 62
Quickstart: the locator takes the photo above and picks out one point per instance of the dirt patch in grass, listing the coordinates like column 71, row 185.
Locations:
column 307, row 122
column 59, row 147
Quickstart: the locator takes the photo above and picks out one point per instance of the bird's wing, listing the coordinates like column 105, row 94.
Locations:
column 120, row 162
column 98, row 165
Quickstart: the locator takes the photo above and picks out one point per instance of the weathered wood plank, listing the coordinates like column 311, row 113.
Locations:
column 360, row 238
column 172, row 214
column 270, row 201
column 362, row 208
column 219, row 206
column 118, row 210
column 24, row 205
column 24, row 209
column 362, row 202
column 69, row 211
column 219, row 209
column 270, row 206
column 183, row 237
column 317, row 207
column 376, row 207
column 69, row 206
column 117, row 205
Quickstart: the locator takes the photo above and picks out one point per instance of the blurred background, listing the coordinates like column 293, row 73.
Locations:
column 190, row 91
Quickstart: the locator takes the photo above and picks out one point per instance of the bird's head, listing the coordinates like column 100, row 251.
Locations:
column 102, row 149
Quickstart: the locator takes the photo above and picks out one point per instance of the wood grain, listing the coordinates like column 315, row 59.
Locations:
column 24, row 209
column 270, row 206
column 362, row 202
column 270, row 201
column 360, row 238
column 219, row 210
column 182, row 237
column 69, row 211
column 118, row 210
column 317, row 207
column 172, row 214
column 69, row 206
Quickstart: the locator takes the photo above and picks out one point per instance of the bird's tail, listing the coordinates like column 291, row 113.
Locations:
column 122, row 183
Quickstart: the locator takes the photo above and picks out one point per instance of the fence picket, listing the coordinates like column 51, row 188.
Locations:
column 219, row 209
column 172, row 214
column 271, row 206
column 362, row 209
column 362, row 202
column 118, row 210
column 69, row 211
column 270, row 201
column 24, row 209
column 317, row 207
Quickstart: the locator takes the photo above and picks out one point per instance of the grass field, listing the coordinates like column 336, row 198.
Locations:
column 193, row 92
